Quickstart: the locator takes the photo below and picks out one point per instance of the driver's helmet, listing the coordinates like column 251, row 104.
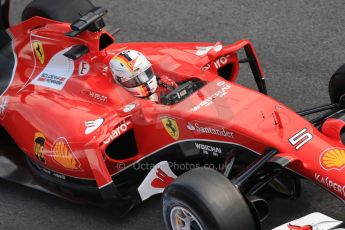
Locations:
column 133, row 71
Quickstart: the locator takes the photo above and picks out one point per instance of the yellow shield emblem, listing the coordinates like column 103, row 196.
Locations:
column 171, row 127
column 38, row 48
column 39, row 142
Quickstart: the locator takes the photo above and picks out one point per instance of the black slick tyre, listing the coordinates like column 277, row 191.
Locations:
column 208, row 201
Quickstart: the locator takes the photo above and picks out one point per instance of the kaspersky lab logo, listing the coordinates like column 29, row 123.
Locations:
column 200, row 128
column 333, row 159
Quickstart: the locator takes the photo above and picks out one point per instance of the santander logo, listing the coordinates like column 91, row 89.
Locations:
column 201, row 128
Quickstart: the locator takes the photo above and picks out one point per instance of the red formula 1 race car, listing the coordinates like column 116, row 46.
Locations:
column 68, row 128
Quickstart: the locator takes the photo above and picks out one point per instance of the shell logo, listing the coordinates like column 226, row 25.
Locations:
column 63, row 155
column 333, row 159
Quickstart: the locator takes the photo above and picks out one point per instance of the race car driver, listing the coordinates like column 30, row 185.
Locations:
column 134, row 72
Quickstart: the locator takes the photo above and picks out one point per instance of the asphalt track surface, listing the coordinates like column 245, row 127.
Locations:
column 300, row 44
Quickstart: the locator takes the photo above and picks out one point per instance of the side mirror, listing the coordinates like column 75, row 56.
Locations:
column 218, row 50
column 333, row 128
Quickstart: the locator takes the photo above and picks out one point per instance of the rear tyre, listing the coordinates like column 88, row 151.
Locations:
column 337, row 85
column 58, row 10
column 203, row 199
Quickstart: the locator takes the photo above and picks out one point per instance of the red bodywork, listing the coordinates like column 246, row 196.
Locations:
column 293, row 227
column 252, row 120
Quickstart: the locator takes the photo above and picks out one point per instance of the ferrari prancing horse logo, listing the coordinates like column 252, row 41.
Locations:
column 171, row 127
column 38, row 48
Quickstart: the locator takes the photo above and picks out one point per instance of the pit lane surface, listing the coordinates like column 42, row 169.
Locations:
column 300, row 44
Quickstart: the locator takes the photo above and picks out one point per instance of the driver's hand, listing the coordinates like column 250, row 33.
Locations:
column 167, row 82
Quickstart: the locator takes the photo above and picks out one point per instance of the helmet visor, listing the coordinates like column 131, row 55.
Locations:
column 139, row 79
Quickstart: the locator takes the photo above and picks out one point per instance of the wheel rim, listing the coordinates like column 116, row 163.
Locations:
column 182, row 219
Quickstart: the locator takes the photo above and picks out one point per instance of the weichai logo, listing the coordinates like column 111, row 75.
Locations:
column 333, row 159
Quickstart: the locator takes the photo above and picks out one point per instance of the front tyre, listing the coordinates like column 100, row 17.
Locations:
column 203, row 199
column 337, row 85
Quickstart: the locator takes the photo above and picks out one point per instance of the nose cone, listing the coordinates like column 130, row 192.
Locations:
column 241, row 111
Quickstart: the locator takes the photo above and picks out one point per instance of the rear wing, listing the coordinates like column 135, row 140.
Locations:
column 251, row 58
